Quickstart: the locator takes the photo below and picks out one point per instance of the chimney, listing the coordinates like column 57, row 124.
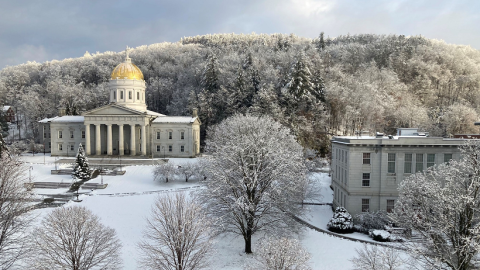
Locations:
column 194, row 113
column 61, row 112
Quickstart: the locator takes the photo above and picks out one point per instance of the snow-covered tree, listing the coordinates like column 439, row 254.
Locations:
column 300, row 83
column 81, row 171
column 188, row 170
column 442, row 205
column 179, row 236
column 210, row 74
column 74, row 238
column 256, row 175
column 164, row 171
column 14, row 210
column 280, row 254
column 341, row 221
column 373, row 257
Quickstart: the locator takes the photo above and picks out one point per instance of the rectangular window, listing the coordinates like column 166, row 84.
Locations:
column 72, row 147
column 182, row 135
column 129, row 94
column 365, row 205
column 60, row 134
column 430, row 160
column 49, row 145
column 419, row 163
column 158, row 148
column 447, row 158
column 182, row 148
column 365, row 179
column 83, row 134
column 366, row 158
column 158, row 135
column 121, row 94
column 390, row 205
column 60, row 147
column 114, row 94
column 44, row 135
column 48, row 134
column 408, row 163
column 138, row 95
column 170, row 148
column 391, row 162
column 170, row 135
column 71, row 134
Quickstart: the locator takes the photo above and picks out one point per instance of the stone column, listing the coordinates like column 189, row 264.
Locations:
column 120, row 140
column 98, row 140
column 109, row 139
column 88, row 149
column 144, row 141
column 132, row 140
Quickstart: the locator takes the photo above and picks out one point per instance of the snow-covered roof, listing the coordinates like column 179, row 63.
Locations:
column 175, row 119
column 69, row 118
column 47, row 120
column 154, row 113
column 5, row 108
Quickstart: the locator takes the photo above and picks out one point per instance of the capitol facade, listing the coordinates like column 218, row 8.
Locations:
column 124, row 126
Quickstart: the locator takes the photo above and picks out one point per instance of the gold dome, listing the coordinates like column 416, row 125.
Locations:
column 127, row 70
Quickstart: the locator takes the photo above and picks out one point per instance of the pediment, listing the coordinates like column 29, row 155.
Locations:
column 113, row 109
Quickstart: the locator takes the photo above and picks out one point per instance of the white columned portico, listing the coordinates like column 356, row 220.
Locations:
column 98, row 140
column 88, row 149
column 109, row 139
column 144, row 141
column 132, row 140
column 120, row 140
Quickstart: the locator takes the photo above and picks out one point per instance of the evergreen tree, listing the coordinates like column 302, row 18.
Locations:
column 321, row 42
column 210, row 75
column 3, row 125
column 299, row 83
column 318, row 86
column 81, row 170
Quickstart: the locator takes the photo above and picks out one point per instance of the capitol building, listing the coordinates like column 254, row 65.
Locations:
column 124, row 127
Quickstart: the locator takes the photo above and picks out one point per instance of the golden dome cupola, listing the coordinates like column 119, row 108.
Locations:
column 127, row 86
column 127, row 70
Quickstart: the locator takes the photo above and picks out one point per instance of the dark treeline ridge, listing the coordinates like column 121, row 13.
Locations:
column 317, row 87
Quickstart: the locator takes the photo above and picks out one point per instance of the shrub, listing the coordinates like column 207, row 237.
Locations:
column 368, row 221
column 341, row 221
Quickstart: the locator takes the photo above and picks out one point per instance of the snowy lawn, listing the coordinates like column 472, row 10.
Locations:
column 126, row 202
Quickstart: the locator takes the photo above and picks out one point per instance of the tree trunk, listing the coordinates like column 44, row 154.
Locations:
column 248, row 242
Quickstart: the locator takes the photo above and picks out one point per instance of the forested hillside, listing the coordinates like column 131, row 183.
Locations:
column 316, row 87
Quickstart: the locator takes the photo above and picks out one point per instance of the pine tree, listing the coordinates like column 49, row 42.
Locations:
column 81, row 170
column 321, row 42
column 318, row 86
column 299, row 83
column 210, row 75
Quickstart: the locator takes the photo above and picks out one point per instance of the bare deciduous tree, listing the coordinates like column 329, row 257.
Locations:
column 188, row 170
column 178, row 235
column 442, row 205
column 164, row 171
column 73, row 238
column 280, row 254
column 372, row 257
column 256, row 176
column 14, row 207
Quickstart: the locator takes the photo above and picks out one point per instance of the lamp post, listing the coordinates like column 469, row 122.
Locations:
column 30, row 174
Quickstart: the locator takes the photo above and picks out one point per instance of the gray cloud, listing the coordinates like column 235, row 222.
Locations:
column 44, row 30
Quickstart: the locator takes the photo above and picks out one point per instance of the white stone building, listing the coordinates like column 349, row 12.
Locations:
column 366, row 171
column 123, row 127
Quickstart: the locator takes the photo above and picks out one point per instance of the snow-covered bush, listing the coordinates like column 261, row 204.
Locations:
column 368, row 221
column 341, row 221
column 384, row 236
column 377, row 258
column 280, row 254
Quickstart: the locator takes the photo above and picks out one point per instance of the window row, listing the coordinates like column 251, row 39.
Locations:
column 129, row 95
column 366, row 205
column 170, row 148
column 70, row 147
column 71, row 134
column 411, row 165
column 341, row 155
column 170, row 135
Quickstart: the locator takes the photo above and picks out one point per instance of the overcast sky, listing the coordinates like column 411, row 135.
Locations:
column 33, row 30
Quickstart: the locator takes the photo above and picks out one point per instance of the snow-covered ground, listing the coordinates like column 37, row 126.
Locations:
column 126, row 202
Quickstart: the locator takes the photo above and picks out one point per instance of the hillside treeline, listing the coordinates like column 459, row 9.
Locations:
column 317, row 87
